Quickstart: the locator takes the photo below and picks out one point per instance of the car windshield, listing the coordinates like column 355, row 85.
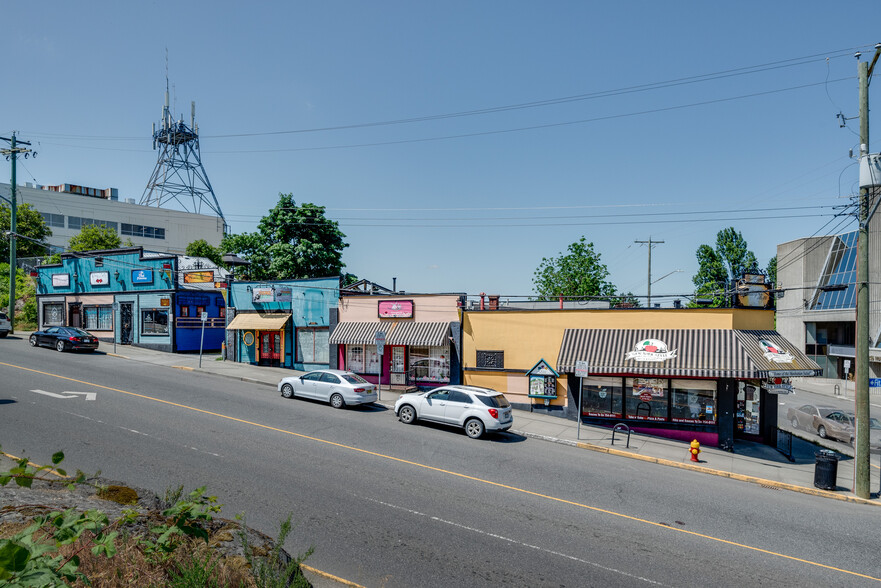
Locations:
column 354, row 379
column 498, row 401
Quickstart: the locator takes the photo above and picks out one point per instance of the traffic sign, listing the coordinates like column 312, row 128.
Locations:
column 380, row 342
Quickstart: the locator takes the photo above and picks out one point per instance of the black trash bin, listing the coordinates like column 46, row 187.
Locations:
column 826, row 470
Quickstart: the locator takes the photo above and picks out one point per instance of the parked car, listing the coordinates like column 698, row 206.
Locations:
column 5, row 325
column 835, row 425
column 803, row 416
column 475, row 409
column 64, row 338
column 874, row 433
column 339, row 388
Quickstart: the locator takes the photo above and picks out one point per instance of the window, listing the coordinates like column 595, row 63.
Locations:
column 142, row 231
column 362, row 359
column 329, row 378
column 354, row 379
column 602, row 397
column 312, row 345
column 490, row 359
column 694, row 401
column 647, row 399
column 430, row 363
column 457, row 396
column 53, row 314
column 154, row 322
column 312, row 377
column 495, row 401
column 184, row 311
column 53, row 220
column 98, row 318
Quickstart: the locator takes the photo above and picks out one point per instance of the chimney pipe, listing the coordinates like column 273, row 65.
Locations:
column 482, row 307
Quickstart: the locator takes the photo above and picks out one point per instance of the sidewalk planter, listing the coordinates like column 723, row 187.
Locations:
column 705, row 374
column 282, row 323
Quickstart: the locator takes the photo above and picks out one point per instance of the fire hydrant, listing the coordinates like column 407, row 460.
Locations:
column 695, row 449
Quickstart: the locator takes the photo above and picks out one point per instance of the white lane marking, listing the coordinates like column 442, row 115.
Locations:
column 88, row 395
column 514, row 541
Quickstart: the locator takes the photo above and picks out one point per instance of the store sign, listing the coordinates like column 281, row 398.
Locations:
column 263, row 294
column 165, row 302
column 651, row 350
column 773, row 353
column 651, row 386
column 203, row 277
column 396, row 309
column 283, row 294
column 142, row 276
column 61, row 280
column 777, row 386
column 99, row 278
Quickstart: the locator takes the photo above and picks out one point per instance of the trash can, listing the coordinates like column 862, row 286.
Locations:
column 826, row 470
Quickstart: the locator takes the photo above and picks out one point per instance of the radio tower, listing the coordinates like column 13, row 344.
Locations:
column 179, row 173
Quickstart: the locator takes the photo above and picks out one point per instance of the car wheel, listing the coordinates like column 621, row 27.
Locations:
column 794, row 422
column 474, row 428
column 59, row 345
column 33, row 340
column 821, row 431
column 337, row 401
column 3, row 334
column 287, row 391
column 407, row 414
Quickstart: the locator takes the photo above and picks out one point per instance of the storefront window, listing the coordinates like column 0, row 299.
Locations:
column 312, row 346
column 154, row 322
column 747, row 418
column 430, row 363
column 603, row 397
column 647, row 399
column 398, row 359
column 53, row 314
column 694, row 401
column 98, row 318
column 362, row 359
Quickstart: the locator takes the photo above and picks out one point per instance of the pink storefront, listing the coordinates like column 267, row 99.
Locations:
column 400, row 340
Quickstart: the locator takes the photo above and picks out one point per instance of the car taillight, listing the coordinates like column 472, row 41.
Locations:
column 360, row 390
column 494, row 413
column 74, row 339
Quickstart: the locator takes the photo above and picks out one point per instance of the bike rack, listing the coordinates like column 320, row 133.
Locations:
column 621, row 427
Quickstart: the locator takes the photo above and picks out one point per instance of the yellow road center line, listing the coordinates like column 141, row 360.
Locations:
column 457, row 474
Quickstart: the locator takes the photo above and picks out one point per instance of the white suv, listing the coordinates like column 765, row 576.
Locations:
column 5, row 327
column 475, row 409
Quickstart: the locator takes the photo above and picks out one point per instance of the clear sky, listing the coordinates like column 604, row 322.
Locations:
column 518, row 126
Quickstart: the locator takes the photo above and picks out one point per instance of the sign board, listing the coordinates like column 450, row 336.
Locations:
column 61, row 280
column 99, row 278
column 581, row 369
column 395, row 309
column 142, row 276
column 262, row 294
column 846, row 365
column 204, row 316
column 202, row 277
column 380, row 342
column 874, row 382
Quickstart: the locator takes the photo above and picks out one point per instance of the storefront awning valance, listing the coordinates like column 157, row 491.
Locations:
column 396, row 333
column 694, row 353
column 259, row 321
column 419, row 334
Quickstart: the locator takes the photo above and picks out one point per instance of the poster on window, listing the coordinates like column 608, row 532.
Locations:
column 651, row 387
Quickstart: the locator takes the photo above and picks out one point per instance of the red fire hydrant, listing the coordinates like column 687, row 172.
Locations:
column 695, row 449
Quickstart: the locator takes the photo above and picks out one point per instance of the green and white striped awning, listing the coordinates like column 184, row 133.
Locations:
column 688, row 353
column 396, row 333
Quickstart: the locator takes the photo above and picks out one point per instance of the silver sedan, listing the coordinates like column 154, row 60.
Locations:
column 337, row 387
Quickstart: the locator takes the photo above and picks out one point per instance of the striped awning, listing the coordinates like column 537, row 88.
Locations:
column 355, row 333
column 694, row 353
column 259, row 321
column 406, row 333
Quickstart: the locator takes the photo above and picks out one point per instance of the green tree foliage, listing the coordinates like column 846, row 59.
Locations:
column 576, row 273
column 25, row 292
column 718, row 265
column 28, row 222
column 292, row 242
column 201, row 248
column 772, row 270
column 95, row 238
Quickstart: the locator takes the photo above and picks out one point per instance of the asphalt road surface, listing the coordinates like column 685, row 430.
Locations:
column 386, row 504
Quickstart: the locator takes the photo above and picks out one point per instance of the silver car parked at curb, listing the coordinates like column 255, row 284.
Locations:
column 475, row 409
column 339, row 388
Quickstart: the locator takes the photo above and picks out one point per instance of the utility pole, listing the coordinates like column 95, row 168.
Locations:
column 650, row 243
column 861, row 401
column 11, row 153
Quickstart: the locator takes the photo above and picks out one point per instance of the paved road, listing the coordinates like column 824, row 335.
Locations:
column 390, row 505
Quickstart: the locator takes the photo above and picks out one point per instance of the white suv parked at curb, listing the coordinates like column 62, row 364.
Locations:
column 5, row 326
column 475, row 409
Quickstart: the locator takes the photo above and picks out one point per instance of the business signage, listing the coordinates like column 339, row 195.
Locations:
column 61, row 280
column 396, row 309
column 99, row 278
column 142, row 276
column 202, row 277
column 283, row 294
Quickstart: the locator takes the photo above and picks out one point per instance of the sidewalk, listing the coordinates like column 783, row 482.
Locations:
column 750, row 462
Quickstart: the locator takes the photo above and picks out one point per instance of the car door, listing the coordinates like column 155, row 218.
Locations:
column 839, row 426
column 458, row 404
column 434, row 404
column 327, row 385
column 305, row 385
column 48, row 336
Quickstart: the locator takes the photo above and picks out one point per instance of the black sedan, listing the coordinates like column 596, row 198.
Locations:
column 64, row 338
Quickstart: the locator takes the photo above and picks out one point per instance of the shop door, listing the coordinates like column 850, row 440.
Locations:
column 73, row 314
column 125, row 323
column 270, row 348
column 747, row 422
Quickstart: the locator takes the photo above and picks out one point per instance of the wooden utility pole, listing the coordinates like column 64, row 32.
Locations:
column 11, row 153
column 650, row 243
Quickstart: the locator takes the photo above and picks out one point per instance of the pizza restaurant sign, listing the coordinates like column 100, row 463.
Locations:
column 651, row 350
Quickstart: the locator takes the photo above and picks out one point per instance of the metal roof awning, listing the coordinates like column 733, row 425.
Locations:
column 396, row 333
column 259, row 321
column 690, row 353
column 356, row 333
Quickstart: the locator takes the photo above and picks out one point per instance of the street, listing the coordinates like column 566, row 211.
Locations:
column 387, row 504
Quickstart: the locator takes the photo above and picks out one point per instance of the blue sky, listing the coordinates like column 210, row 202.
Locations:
column 661, row 120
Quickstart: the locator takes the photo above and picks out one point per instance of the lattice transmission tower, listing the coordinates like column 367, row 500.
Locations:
column 179, row 174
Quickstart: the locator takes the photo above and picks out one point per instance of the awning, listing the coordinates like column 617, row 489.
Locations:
column 259, row 321
column 695, row 353
column 419, row 334
column 396, row 333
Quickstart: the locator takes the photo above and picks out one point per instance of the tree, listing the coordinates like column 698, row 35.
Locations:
column 29, row 223
column 95, row 238
column 25, row 294
column 291, row 242
column 577, row 273
column 718, row 266
column 772, row 270
column 201, row 248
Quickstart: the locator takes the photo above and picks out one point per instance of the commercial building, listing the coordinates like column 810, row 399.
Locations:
column 66, row 208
